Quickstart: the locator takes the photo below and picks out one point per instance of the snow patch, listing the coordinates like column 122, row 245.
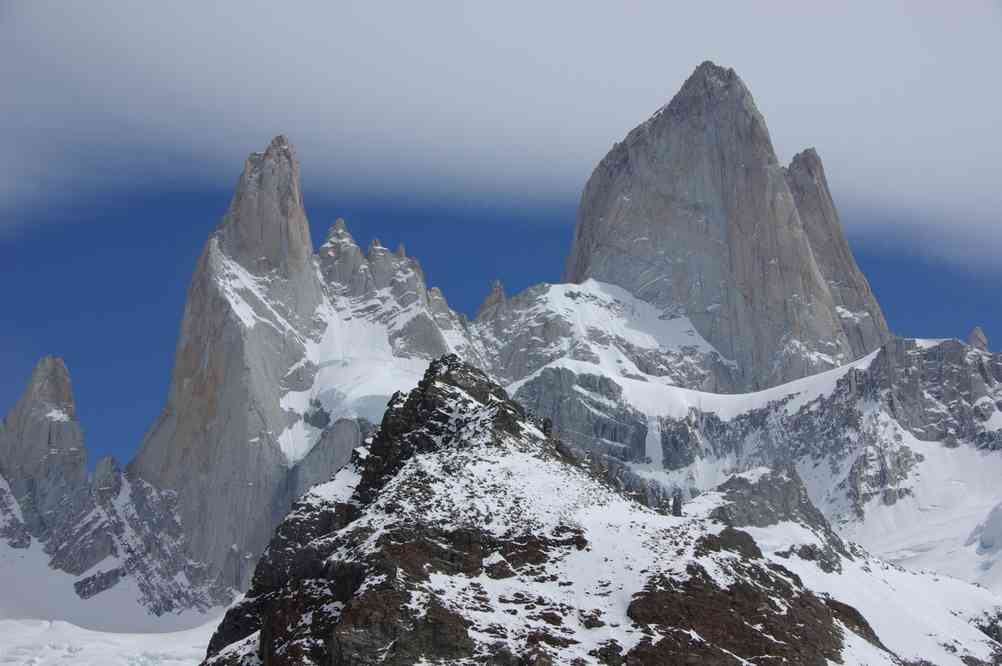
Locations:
column 57, row 415
column 48, row 643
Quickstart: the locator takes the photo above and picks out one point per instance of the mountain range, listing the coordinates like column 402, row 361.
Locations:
column 377, row 474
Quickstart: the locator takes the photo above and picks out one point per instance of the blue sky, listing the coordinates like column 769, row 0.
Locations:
column 465, row 130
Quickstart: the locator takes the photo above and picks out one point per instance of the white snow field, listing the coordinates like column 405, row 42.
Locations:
column 45, row 642
column 30, row 589
column 43, row 621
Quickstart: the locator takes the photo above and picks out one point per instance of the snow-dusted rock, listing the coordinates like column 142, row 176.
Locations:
column 899, row 450
column 389, row 289
column 13, row 531
column 920, row 616
column 597, row 323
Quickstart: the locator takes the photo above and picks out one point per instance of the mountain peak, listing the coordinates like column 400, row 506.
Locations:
column 978, row 339
column 41, row 445
column 710, row 74
column 859, row 313
column 675, row 214
column 280, row 142
column 50, row 384
column 494, row 298
column 807, row 159
column 708, row 86
column 338, row 232
column 265, row 227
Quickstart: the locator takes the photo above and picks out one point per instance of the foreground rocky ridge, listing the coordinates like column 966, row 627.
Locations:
column 462, row 532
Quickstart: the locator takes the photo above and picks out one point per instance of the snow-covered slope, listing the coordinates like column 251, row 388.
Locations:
column 899, row 449
column 946, row 516
column 914, row 613
column 463, row 533
column 598, row 323
column 32, row 589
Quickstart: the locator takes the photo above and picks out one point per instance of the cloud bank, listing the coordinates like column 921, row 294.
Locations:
column 511, row 101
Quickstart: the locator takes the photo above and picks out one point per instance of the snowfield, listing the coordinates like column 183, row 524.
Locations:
column 44, row 642
column 949, row 520
column 109, row 629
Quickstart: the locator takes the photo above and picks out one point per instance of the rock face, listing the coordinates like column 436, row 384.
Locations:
column 42, row 454
column 265, row 229
column 766, row 497
column 693, row 213
column 463, row 534
column 250, row 305
column 93, row 531
column 978, row 339
column 284, row 356
column 858, row 312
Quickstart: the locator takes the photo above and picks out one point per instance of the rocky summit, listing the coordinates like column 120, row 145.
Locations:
column 462, row 533
column 249, row 317
column 42, row 455
column 693, row 212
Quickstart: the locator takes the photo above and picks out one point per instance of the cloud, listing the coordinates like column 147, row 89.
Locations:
column 517, row 101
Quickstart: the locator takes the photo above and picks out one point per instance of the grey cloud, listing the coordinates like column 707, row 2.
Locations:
column 514, row 100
